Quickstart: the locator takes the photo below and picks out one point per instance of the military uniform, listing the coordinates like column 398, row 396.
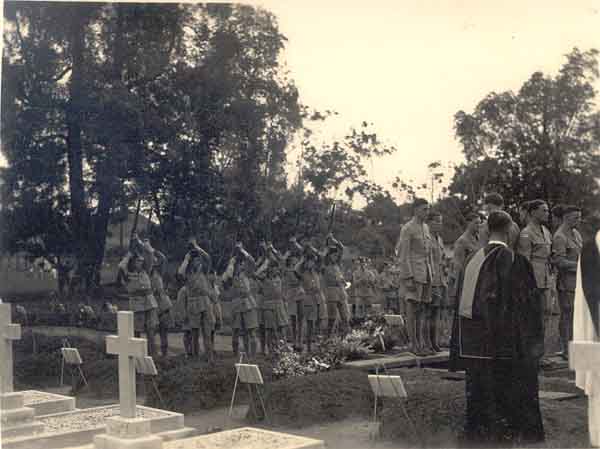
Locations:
column 535, row 243
column 415, row 260
column 293, row 291
column 165, row 315
column 364, row 282
column 141, row 301
column 566, row 248
column 335, row 292
column 275, row 315
column 244, row 309
column 196, row 298
column 389, row 286
column 439, row 282
column 311, row 281
column 464, row 246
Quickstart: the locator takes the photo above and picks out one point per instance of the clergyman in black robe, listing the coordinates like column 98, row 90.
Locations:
column 497, row 339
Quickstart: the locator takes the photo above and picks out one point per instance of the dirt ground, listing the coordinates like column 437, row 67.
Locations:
column 565, row 421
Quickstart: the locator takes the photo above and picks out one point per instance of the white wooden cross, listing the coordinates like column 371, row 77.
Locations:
column 127, row 348
column 8, row 332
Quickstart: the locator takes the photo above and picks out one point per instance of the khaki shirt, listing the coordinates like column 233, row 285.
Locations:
column 388, row 280
column 333, row 277
column 513, row 235
column 464, row 246
column 535, row 243
column 566, row 248
column 439, row 262
column 363, row 282
column 415, row 252
column 139, row 288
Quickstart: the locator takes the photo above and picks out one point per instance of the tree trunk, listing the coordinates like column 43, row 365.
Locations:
column 79, row 210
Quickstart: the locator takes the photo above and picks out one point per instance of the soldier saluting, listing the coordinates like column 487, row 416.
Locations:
column 244, row 308
column 335, row 285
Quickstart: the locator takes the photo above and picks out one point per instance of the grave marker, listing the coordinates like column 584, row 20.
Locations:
column 9, row 332
column 127, row 348
column 127, row 431
column 15, row 418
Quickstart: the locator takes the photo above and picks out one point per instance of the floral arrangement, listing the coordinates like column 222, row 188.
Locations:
column 289, row 363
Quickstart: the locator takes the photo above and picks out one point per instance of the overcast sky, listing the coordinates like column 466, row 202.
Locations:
column 409, row 65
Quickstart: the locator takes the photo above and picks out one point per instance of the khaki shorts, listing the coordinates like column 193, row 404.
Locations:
column 566, row 299
column 274, row 315
column 421, row 293
column 165, row 319
column 438, row 296
column 145, row 320
column 245, row 320
column 548, row 300
column 197, row 320
column 333, row 308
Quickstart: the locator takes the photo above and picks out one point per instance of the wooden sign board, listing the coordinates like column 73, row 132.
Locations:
column 71, row 356
column 249, row 374
column 146, row 366
column 388, row 386
column 394, row 320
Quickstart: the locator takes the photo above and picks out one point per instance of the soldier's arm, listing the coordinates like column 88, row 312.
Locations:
column 125, row 261
column 204, row 255
column 525, row 246
column 404, row 255
column 516, row 233
column 228, row 274
column 183, row 267
column 559, row 254
column 161, row 261
column 260, row 271
column 147, row 254
column 298, row 268
column 456, row 265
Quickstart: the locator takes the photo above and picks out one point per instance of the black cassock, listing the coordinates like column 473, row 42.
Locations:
column 499, row 348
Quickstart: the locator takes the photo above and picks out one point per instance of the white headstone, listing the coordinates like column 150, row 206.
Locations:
column 8, row 333
column 127, row 348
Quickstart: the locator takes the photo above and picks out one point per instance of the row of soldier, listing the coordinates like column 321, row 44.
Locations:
column 430, row 290
column 270, row 295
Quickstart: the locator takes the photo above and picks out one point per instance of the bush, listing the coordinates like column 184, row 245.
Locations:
column 324, row 397
column 189, row 385
column 435, row 406
column 42, row 368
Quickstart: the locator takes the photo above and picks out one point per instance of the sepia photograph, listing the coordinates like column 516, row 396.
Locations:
column 283, row 224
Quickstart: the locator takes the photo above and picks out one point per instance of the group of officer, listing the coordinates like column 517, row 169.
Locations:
column 279, row 294
column 429, row 282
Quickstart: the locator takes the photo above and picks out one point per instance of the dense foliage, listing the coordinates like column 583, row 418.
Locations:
column 539, row 142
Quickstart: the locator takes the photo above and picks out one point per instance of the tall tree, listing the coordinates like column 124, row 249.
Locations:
column 541, row 142
column 73, row 108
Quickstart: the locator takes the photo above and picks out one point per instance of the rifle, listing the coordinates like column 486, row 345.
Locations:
column 331, row 218
column 135, row 219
